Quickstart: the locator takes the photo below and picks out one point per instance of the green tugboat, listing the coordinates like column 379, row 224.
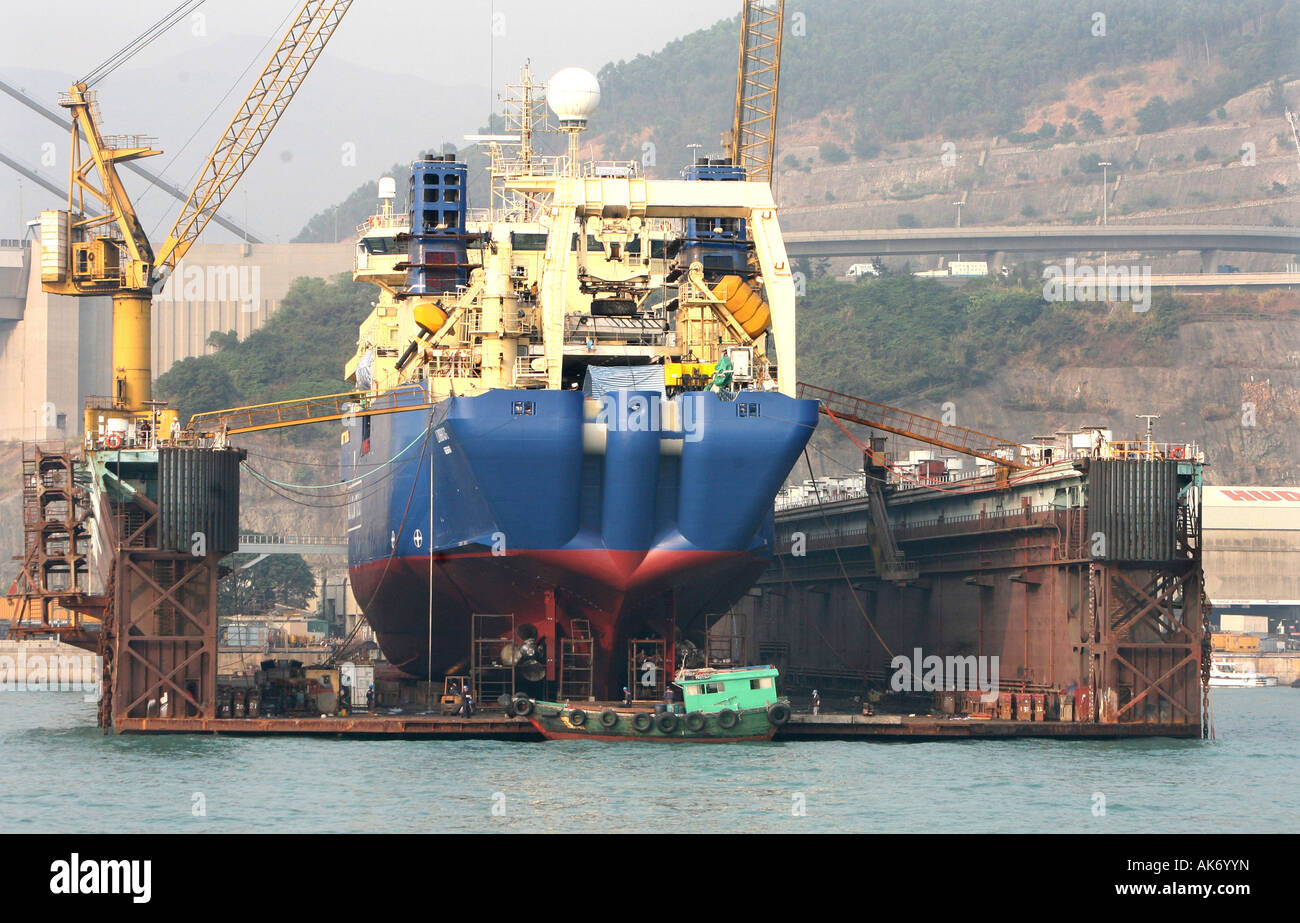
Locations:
column 717, row 706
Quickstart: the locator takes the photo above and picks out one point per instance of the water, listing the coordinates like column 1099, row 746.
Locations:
column 63, row 775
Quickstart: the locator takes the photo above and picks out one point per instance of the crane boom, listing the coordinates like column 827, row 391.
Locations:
column 280, row 79
column 171, row 189
column 752, row 141
column 912, row 425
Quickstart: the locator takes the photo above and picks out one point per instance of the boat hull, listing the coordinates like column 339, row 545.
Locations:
column 639, row 524
column 556, row 722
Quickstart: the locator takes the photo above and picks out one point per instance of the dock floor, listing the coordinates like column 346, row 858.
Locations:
column 801, row 727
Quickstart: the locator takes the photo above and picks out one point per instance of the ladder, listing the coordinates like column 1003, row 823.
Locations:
column 577, row 662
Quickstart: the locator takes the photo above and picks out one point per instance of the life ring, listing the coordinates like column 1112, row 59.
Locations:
column 1177, row 452
column 695, row 722
column 609, row 718
column 522, row 706
column 778, row 713
column 666, row 722
column 642, row 721
column 114, row 441
column 728, row 719
column 577, row 717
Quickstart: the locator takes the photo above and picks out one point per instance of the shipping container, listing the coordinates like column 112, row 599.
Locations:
column 1252, row 624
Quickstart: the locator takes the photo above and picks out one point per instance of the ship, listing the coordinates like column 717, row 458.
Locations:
column 1226, row 674
column 718, row 706
column 578, row 404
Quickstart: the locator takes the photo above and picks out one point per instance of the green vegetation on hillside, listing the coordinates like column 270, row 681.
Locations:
column 907, row 68
column 899, row 337
column 285, row 579
column 299, row 352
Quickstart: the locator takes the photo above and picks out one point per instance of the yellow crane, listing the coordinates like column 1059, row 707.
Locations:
column 108, row 254
column 752, row 139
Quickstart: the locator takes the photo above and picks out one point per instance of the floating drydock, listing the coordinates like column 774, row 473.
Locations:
column 1075, row 586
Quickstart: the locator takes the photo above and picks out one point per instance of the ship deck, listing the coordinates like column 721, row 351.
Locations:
column 802, row 727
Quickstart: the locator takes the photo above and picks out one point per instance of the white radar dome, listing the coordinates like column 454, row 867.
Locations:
column 573, row 94
column 387, row 188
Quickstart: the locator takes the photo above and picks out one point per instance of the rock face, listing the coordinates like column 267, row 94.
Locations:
column 1229, row 383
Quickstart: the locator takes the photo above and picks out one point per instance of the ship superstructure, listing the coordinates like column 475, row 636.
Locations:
column 610, row 364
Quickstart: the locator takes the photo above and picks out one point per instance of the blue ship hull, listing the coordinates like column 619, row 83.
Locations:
column 641, row 522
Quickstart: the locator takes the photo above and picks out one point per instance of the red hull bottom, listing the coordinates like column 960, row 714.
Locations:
column 622, row 594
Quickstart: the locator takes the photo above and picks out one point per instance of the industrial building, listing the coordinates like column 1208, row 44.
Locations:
column 1252, row 552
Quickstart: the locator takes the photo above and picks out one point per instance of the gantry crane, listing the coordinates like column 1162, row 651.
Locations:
column 87, row 254
column 752, row 139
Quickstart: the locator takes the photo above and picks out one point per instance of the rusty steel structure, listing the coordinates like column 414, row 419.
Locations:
column 1083, row 578
column 159, row 551
column 913, row 425
column 51, row 594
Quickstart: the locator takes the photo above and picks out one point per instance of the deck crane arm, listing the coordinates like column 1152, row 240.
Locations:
column 913, row 426
column 752, row 139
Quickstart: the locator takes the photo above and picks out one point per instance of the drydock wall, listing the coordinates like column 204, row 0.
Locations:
column 1080, row 576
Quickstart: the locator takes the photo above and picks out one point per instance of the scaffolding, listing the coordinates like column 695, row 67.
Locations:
column 647, row 674
column 492, row 666
column 577, row 662
column 52, row 589
column 724, row 643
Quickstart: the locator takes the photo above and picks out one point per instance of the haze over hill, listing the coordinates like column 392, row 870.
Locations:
column 396, row 78
column 1029, row 96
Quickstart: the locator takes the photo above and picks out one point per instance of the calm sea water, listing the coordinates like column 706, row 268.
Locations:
column 61, row 774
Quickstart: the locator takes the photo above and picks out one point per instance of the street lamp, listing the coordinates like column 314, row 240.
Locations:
column 1105, row 193
column 959, row 203
column 1105, row 199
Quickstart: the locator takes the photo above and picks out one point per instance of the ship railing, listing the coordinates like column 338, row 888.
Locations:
column 507, row 169
column 395, row 220
column 459, row 365
column 1137, row 449
column 610, row 169
column 1027, row 517
column 472, row 321
column 524, row 370
column 1023, row 517
column 256, row 538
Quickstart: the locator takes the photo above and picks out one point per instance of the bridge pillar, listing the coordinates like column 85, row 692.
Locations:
column 995, row 261
column 1209, row 260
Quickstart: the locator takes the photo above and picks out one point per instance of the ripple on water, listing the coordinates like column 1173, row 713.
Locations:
column 65, row 775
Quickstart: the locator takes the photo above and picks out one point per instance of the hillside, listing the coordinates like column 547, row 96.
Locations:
column 891, row 111
column 1015, row 366
column 901, row 70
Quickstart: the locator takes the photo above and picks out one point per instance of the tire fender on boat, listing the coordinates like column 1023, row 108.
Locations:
column 666, row 722
column 577, row 717
column 642, row 721
column 609, row 718
column 695, row 722
column 522, row 706
column 778, row 713
column 728, row 719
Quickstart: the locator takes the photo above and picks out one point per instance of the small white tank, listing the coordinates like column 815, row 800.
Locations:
column 387, row 187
